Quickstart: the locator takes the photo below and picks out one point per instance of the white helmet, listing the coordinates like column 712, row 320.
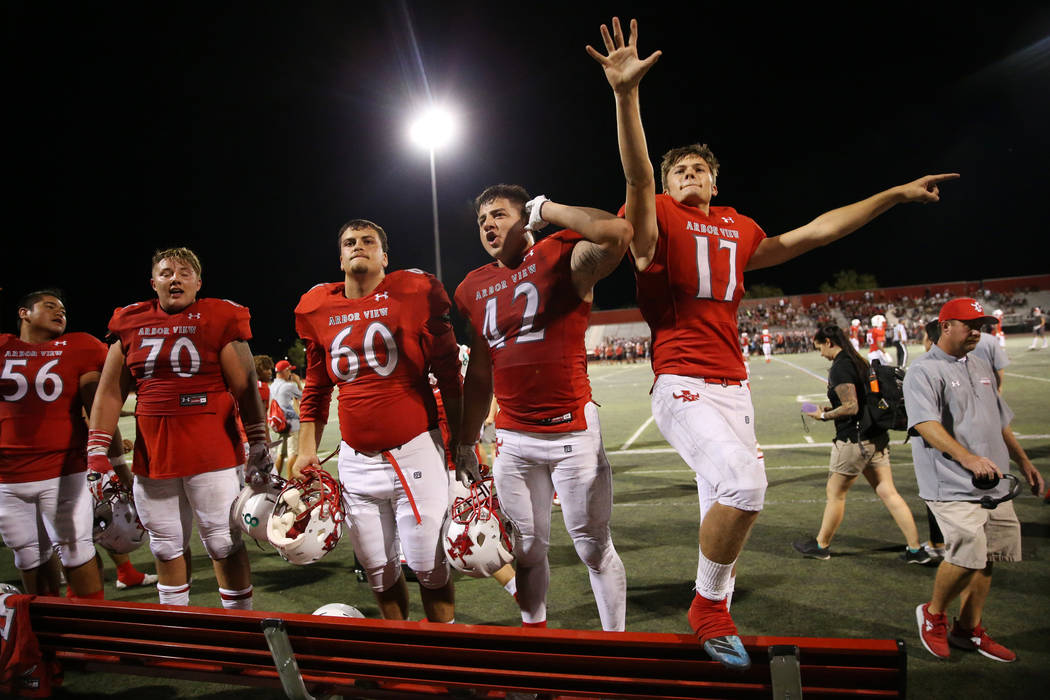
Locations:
column 479, row 539
column 998, row 313
column 254, row 505
column 116, row 523
column 307, row 519
column 338, row 610
column 855, row 322
column 878, row 320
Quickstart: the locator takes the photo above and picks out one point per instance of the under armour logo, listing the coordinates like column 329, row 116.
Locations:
column 499, row 444
column 61, row 342
column 382, row 295
column 191, row 316
column 956, row 382
column 460, row 546
column 727, row 219
column 686, row 395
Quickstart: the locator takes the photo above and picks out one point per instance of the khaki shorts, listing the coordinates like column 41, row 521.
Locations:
column 849, row 459
column 289, row 444
column 974, row 536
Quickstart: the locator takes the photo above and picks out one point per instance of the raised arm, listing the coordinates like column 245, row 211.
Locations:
column 837, row 223
column 624, row 71
column 606, row 238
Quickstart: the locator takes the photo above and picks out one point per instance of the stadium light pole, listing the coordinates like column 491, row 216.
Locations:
column 434, row 129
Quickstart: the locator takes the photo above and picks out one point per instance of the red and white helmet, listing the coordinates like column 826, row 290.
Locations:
column 307, row 518
column 855, row 322
column 479, row 538
column 878, row 320
column 116, row 522
column 254, row 505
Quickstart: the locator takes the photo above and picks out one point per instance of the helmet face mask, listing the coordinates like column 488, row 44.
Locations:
column 307, row 517
column 338, row 610
column 116, row 522
column 479, row 539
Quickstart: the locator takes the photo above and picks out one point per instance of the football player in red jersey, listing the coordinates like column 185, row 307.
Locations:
column 47, row 378
column 378, row 336
column 700, row 401
column 188, row 360
column 528, row 311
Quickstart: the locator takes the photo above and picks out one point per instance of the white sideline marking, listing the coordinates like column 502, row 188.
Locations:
column 630, row 440
column 807, row 438
column 803, row 369
column 1025, row 376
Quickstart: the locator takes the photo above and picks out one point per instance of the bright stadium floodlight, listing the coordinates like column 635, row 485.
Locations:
column 434, row 129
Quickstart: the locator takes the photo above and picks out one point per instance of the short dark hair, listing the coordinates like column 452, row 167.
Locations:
column 360, row 225
column 933, row 331
column 677, row 154
column 515, row 193
column 30, row 300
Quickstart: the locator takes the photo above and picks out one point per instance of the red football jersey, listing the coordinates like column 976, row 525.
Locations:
column 878, row 338
column 854, row 332
column 42, row 429
column 535, row 322
column 690, row 292
column 174, row 358
column 379, row 349
column 765, row 338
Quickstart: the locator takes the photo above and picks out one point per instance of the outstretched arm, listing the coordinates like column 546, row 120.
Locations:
column 624, row 71
column 837, row 223
column 606, row 239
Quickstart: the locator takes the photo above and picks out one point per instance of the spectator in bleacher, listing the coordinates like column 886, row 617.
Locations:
column 854, row 453
column 964, row 426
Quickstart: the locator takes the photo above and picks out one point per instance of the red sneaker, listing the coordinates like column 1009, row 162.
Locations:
column 978, row 639
column 933, row 631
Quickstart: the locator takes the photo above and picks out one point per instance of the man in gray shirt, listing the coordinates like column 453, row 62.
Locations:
column 954, row 405
column 286, row 391
column 990, row 351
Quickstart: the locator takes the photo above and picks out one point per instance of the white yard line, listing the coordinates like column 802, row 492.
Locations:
column 1025, row 376
column 802, row 369
column 630, row 440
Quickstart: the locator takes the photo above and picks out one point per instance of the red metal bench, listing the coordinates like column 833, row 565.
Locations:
column 375, row 658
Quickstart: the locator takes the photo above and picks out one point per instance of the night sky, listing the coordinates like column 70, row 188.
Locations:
column 251, row 131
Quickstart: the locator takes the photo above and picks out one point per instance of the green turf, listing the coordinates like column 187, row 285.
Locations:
column 864, row 590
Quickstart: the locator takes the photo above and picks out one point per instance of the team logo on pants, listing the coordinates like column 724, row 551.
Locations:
column 686, row 395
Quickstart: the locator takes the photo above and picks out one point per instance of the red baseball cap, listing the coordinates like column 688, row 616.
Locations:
column 283, row 365
column 964, row 309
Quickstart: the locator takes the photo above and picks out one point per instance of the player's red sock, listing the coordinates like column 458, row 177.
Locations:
column 710, row 618
column 100, row 594
column 128, row 574
column 535, row 625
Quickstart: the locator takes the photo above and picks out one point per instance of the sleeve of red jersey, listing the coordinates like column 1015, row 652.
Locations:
column 95, row 352
column 439, row 340
column 317, row 393
column 116, row 326
column 238, row 323
column 759, row 236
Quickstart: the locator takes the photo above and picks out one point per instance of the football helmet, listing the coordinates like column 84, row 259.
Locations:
column 254, row 505
column 116, row 522
column 479, row 538
column 307, row 518
column 338, row 610
column 855, row 322
column 998, row 313
column 878, row 320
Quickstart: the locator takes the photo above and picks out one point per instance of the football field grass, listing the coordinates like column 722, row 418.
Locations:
column 864, row 590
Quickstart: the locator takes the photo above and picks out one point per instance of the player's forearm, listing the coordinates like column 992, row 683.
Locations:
column 107, row 398
column 837, row 223
column 596, row 225
column 1013, row 447
column 634, row 152
column 309, row 438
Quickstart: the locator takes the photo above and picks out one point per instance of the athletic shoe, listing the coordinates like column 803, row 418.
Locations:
column 147, row 580
column 978, row 639
column 713, row 626
column 919, row 556
column 933, row 631
column 810, row 548
column 936, row 553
